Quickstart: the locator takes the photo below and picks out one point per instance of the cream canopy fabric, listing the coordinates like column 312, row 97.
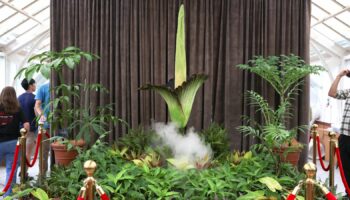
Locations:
column 24, row 26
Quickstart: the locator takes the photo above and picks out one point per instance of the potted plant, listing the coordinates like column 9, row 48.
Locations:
column 284, row 74
column 78, row 122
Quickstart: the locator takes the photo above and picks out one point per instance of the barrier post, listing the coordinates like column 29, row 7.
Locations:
column 90, row 167
column 314, row 135
column 41, row 163
column 23, row 141
column 310, row 170
column 332, row 144
column 310, row 185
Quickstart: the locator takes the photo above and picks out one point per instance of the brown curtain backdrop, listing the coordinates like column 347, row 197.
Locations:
column 136, row 42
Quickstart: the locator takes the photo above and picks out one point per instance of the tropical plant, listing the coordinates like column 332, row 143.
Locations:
column 285, row 75
column 180, row 100
column 65, row 113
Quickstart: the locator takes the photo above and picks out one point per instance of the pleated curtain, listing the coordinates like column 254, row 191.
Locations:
column 135, row 40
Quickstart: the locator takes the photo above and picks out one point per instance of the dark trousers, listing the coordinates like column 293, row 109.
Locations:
column 344, row 148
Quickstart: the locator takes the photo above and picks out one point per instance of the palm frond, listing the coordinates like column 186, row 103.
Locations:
column 248, row 130
column 262, row 105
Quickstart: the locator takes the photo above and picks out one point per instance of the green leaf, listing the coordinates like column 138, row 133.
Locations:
column 171, row 194
column 57, row 62
column 180, row 164
column 29, row 73
column 69, row 62
column 88, row 57
column 271, row 183
column 20, row 72
column 71, row 48
column 300, row 197
column 252, row 195
column 174, row 106
column 187, row 92
column 248, row 155
column 155, row 190
column 40, row 194
column 45, row 71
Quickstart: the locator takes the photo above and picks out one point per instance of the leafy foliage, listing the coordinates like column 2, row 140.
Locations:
column 250, row 178
column 122, row 179
column 81, row 121
column 137, row 140
column 236, row 157
column 216, row 136
column 48, row 61
column 284, row 74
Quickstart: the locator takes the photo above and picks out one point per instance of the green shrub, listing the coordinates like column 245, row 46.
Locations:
column 122, row 179
column 216, row 136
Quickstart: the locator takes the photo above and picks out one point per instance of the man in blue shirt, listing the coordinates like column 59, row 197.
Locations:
column 42, row 100
column 27, row 103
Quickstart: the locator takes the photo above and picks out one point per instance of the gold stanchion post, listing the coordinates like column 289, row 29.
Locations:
column 332, row 144
column 41, row 159
column 90, row 167
column 23, row 140
column 310, row 170
column 314, row 135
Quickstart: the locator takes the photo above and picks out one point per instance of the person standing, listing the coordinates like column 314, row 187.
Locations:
column 344, row 138
column 11, row 115
column 42, row 100
column 27, row 103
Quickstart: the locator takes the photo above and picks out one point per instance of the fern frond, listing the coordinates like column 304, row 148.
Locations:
column 262, row 105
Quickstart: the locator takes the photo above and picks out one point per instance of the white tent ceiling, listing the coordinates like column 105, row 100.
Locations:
column 25, row 27
column 330, row 29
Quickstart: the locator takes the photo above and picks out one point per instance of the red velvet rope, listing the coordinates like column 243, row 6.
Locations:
column 320, row 155
column 104, row 197
column 340, row 164
column 14, row 166
column 291, row 197
column 38, row 141
column 330, row 196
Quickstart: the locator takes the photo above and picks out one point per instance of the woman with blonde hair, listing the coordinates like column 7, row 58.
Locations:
column 11, row 115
